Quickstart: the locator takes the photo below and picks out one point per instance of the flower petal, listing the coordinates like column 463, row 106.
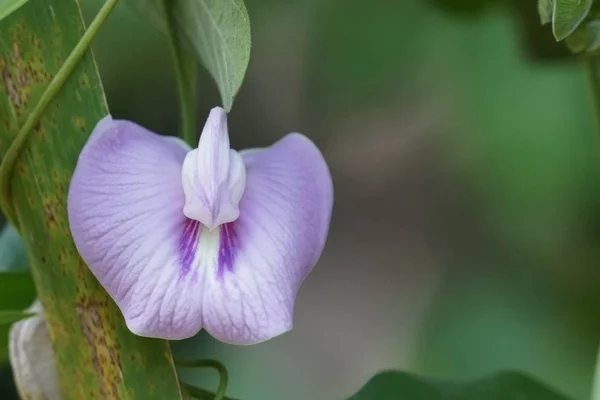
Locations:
column 32, row 357
column 125, row 211
column 213, row 175
column 269, row 250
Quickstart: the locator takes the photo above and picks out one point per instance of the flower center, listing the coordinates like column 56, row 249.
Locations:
column 213, row 176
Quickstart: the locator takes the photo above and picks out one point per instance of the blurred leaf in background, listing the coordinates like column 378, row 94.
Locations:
column 394, row 385
column 13, row 256
column 536, row 39
column 545, row 9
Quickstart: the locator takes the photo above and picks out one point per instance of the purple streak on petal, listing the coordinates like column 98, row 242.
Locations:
column 188, row 244
column 227, row 247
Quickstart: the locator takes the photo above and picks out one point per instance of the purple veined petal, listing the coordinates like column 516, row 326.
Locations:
column 125, row 212
column 265, row 254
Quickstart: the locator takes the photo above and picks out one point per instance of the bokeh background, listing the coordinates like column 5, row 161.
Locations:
column 466, row 225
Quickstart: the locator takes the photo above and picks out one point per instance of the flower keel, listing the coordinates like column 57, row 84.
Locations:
column 213, row 176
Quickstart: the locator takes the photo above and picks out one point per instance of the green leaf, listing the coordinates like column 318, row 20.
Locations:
column 13, row 256
column 394, row 385
column 567, row 16
column 9, row 317
column 545, row 9
column 585, row 38
column 7, row 7
column 216, row 31
column 96, row 355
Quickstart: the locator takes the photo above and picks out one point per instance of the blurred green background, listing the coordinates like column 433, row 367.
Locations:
column 466, row 230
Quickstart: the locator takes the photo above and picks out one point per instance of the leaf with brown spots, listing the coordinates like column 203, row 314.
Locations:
column 97, row 356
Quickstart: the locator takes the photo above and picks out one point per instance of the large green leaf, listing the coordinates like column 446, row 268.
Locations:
column 567, row 16
column 394, row 385
column 13, row 256
column 97, row 356
column 7, row 7
column 216, row 31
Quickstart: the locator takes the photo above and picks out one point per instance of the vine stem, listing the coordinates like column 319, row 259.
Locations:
column 223, row 375
column 593, row 74
column 55, row 85
column 202, row 394
column 185, row 68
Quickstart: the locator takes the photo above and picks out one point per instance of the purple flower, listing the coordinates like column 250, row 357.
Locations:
column 206, row 238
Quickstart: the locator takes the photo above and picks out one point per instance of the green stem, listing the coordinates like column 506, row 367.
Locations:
column 591, row 67
column 223, row 375
column 185, row 74
column 55, row 85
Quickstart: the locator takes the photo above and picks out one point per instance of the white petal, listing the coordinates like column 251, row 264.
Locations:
column 32, row 358
column 213, row 175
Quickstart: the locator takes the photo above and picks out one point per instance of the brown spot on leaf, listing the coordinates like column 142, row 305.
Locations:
column 20, row 69
column 81, row 271
column 16, row 53
column 49, row 213
column 79, row 123
column 105, row 358
column 11, row 88
column 35, row 42
column 39, row 131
